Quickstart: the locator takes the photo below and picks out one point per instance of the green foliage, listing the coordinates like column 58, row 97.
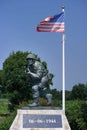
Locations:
column 84, row 112
column 68, row 95
column 75, row 114
column 5, row 122
column 1, row 76
column 1, row 82
column 16, row 84
column 79, row 92
column 6, row 118
column 4, row 106
column 56, row 94
column 15, row 80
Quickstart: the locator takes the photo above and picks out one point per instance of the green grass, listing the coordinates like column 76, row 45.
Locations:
column 4, row 106
column 6, row 118
column 5, row 122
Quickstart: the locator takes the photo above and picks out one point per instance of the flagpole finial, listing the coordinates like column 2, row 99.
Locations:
column 63, row 8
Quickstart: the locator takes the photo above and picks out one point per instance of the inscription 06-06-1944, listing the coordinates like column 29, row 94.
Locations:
column 42, row 121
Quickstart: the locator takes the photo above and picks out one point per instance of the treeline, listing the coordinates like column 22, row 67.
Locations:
column 78, row 92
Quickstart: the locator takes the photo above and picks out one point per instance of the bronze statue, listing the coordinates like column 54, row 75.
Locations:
column 40, row 76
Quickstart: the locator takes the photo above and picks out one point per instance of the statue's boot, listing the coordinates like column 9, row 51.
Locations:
column 35, row 103
column 49, row 99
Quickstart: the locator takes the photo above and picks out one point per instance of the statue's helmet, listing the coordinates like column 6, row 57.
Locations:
column 31, row 56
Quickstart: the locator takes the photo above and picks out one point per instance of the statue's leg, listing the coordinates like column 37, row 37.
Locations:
column 48, row 96
column 42, row 93
column 42, row 86
column 35, row 96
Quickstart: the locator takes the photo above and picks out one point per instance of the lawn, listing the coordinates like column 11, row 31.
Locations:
column 4, row 106
column 6, row 118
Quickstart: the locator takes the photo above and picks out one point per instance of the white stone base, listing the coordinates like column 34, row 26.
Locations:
column 18, row 122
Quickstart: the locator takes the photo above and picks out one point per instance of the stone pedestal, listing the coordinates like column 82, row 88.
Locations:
column 40, row 118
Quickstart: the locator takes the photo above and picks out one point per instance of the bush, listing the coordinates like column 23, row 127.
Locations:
column 75, row 113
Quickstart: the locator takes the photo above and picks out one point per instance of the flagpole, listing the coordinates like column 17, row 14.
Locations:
column 63, row 69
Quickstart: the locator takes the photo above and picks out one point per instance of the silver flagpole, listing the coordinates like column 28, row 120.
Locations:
column 63, row 69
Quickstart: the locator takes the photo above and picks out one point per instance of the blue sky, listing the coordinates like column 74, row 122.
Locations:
column 18, row 21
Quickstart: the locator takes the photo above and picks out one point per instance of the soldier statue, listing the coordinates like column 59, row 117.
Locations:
column 40, row 77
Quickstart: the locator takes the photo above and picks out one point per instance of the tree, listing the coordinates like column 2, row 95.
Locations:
column 56, row 94
column 16, row 83
column 2, row 91
column 1, row 76
column 84, row 112
column 68, row 94
column 79, row 92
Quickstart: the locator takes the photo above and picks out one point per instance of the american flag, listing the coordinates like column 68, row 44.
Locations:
column 52, row 24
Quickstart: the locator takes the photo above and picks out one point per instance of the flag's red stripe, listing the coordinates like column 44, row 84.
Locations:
column 49, row 30
column 50, row 25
